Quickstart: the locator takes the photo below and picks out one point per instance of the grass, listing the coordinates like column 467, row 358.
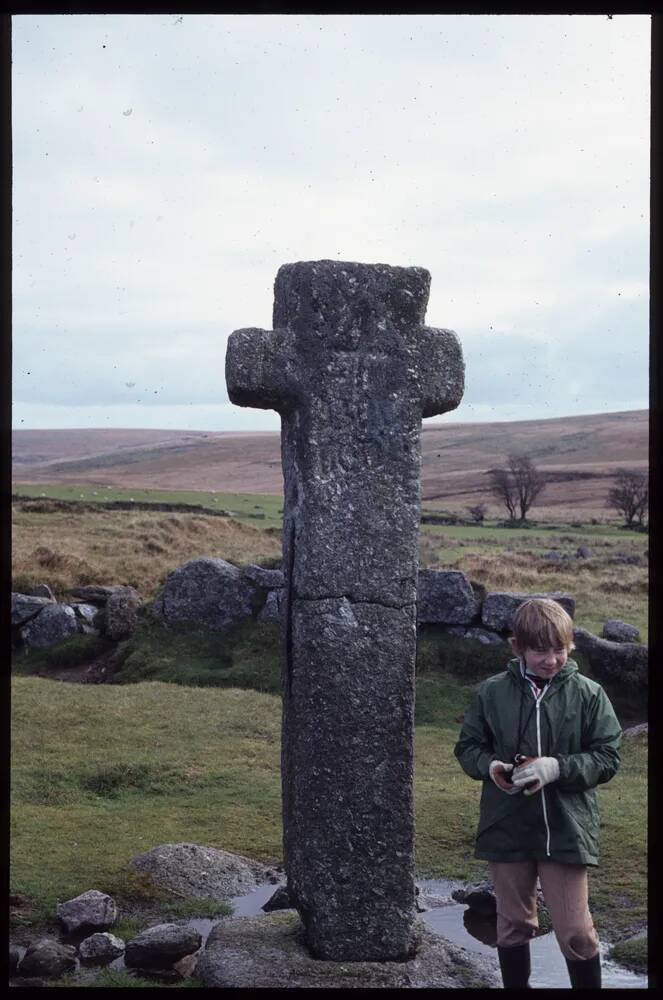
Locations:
column 156, row 763
column 505, row 559
column 80, row 546
column 187, row 745
column 123, row 979
column 633, row 954
column 67, row 548
column 249, row 507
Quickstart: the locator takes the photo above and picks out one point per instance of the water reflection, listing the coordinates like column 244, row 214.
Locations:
column 479, row 934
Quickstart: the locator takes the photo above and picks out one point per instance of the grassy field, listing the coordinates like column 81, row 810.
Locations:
column 185, row 744
column 87, row 544
column 247, row 507
column 102, row 773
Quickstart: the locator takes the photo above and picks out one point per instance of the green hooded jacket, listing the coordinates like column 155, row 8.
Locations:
column 573, row 721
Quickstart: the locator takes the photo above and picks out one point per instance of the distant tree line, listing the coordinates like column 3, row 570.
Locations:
column 518, row 485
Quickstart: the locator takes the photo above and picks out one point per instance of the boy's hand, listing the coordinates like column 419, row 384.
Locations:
column 497, row 770
column 540, row 771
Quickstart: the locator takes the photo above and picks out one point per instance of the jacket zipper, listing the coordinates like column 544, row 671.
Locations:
column 543, row 797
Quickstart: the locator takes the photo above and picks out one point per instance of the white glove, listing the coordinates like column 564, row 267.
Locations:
column 496, row 770
column 541, row 770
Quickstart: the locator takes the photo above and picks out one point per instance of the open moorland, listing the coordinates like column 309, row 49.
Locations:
column 578, row 456
column 184, row 743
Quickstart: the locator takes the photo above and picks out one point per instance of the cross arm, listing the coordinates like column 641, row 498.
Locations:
column 260, row 369
column 440, row 370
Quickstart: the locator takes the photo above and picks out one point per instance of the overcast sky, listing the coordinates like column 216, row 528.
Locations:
column 165, row 166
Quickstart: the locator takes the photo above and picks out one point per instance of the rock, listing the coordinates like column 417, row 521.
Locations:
column 101, row 947
column 199, row 872
column 499, row 608
column 43, row 590
column 25, row 607
column 445, row 597
column 272, row 609
column 628, row 559
column 161, row 946
column 90, row 909
column 121, row 613
column 279, row 900
column 267, row 579
column 352, row 369
column 208, row 592
column 54, row 623
column 617, row 631
column 584, row 552
column 86, row 613
column 242, row 952
column 480, row 898
column 482, row 634
column 641, row 730
column 14, row 958
column 186, row 967
column 552, row 556
column 94, row 594
column 627, row 662
column 47, row 957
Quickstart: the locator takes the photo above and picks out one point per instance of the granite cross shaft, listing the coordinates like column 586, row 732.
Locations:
column 351, row 369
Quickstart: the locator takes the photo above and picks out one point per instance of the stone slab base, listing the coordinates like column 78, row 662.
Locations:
column 269, row 951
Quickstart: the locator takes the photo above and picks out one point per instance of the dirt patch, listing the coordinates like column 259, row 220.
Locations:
column 98, row 671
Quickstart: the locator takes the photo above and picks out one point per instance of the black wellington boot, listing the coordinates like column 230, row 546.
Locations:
column 515, row 966
column 585, row 975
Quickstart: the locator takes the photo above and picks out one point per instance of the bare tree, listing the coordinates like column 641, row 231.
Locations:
column 629, row 496
column 517, row 486
column 477, row 512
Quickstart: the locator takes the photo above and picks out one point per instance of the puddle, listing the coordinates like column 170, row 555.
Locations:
column 452, row 921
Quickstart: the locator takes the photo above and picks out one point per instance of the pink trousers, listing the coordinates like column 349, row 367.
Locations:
column 564, row 890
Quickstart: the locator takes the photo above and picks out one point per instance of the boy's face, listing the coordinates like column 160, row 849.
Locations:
column 545, row 662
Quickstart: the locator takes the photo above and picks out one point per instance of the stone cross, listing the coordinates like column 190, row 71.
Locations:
column 351, row 369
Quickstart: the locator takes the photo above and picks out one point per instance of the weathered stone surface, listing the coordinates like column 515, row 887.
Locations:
column 25, row 606
column 93, row 594
column 86, row 613
column 351, row 369
column 280, row 900
column 641, row 730
column 102, row 947
column 200, row 872
column 627, row 662
column 90, row 909
column 480, row 898
column 14, row 958
column 499, row 608
column 43, row 590
column 186, row 967
column 206, row 591
column 445, row 597
column 269, row 951
column 484, row 635
column 273, row 607
column 161, row 946
column 615, row 630
column 584, row 552
column 47, row 957
column 267, row 579
column 54, row 623
column 121, row 613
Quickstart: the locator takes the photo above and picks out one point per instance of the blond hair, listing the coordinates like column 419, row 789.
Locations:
column 541, row 623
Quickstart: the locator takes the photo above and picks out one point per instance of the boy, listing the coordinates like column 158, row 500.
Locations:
column 541, row 737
